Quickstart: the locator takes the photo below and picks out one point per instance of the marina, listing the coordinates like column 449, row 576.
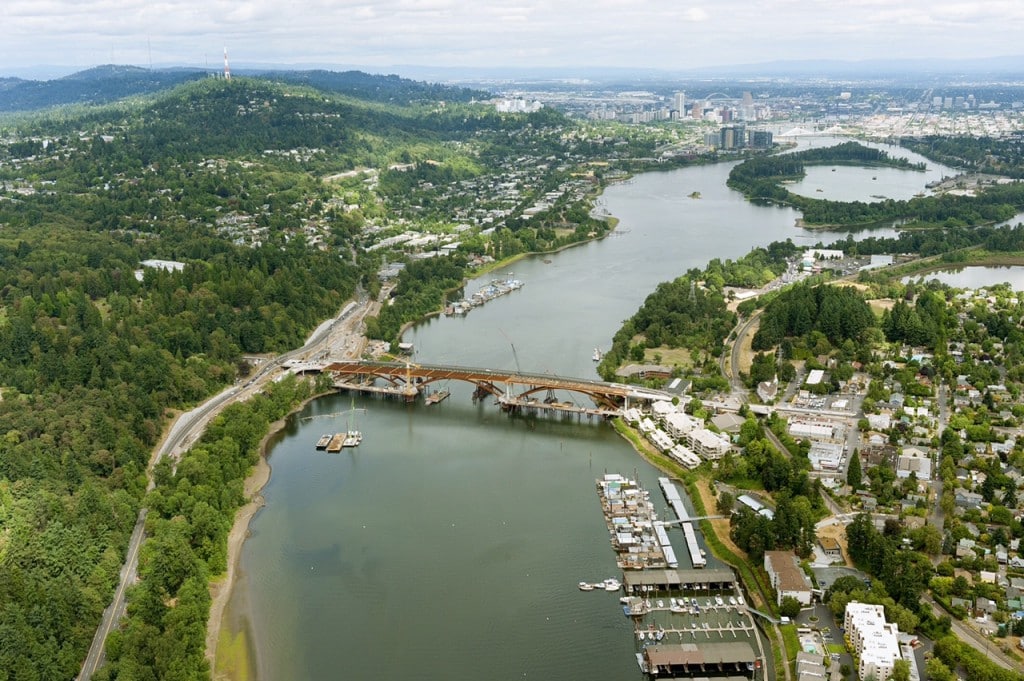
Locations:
column 687, row 621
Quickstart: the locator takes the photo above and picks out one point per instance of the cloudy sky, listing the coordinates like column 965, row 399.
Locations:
column 669, row 34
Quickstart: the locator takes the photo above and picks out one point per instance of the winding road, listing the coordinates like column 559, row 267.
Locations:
column 339, row 332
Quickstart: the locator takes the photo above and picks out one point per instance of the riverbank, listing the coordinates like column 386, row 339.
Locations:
column 501, row 264
column 235, row 665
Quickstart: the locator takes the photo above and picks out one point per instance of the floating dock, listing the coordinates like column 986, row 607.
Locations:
column 631, row 518
column 676, row 502
column 337, row 442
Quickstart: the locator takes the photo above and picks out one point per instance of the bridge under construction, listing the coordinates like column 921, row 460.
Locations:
column 513, row 390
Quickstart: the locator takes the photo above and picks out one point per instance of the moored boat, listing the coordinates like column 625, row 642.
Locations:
column 586, row 586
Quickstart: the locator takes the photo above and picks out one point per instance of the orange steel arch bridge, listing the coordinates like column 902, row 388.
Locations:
column 514, row 390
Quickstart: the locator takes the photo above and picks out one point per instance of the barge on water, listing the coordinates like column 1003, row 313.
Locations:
column 435, row 397
column 339, row 441
column 324, row 440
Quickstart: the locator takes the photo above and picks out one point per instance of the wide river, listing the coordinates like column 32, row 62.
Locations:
column 449, row 544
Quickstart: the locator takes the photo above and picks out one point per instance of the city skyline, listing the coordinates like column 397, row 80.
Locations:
column 461, row 33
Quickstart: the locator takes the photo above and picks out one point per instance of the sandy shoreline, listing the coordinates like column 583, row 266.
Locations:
column 221, row 589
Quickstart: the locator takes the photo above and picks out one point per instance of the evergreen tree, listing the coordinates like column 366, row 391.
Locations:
column 854, row 474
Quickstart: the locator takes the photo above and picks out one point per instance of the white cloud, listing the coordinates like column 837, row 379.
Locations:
column 655, row 33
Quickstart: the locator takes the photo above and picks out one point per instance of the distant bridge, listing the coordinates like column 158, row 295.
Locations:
column 514, row 390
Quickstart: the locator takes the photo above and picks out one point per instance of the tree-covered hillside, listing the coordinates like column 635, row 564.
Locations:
column 103, row 84
column 97, row 351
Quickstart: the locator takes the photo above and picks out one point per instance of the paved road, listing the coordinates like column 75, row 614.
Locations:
column 733, row 374
column 184, row 431
column 973, row 638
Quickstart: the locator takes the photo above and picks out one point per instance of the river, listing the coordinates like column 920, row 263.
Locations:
column 450, row 543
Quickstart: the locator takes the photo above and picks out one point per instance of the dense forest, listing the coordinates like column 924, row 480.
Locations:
column 838, row 312
column 977, row 154
column 761, row 178
column 191, row 512
column 678, row 314
column 110, row 83
column 97, row 351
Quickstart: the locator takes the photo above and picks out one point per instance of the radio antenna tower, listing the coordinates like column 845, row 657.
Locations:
column 227, row 69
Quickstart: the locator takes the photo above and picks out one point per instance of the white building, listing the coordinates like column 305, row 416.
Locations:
column 678, row 424
column 707, row 444
column 875, row 641
column 811, row 429
column 786, row 577
column 879, row 421
column 663, row 408
column 684, row 456
column 914, row 460
column 825, row 456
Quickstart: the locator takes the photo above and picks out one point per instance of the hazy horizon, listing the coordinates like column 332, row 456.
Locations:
column 68, row 36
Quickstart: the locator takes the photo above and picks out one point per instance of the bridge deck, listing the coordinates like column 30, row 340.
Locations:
column 513, row 387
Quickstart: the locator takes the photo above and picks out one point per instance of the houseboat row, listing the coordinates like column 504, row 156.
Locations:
column 495, row 289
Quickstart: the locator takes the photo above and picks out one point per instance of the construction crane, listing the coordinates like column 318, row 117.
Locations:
column 515, row 357
column 410, row 391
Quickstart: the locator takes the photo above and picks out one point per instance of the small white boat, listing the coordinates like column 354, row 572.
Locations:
column 739, row 599
column 586, row 586
column 661, row 603
column 597, row 354
column 352, row 439
column 612, row 584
